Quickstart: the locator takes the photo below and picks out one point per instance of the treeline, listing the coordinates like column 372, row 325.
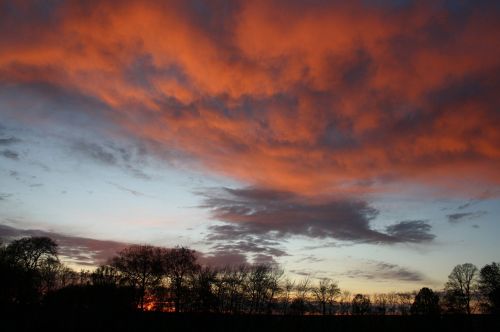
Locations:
column 143, row 277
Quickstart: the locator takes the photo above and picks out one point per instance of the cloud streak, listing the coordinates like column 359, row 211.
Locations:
column 457, row 218
column 383, row 271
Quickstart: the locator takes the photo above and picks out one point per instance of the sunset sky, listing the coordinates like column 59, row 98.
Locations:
column 357, row 140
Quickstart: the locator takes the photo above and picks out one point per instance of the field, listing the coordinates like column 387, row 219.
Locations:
column 151, row 321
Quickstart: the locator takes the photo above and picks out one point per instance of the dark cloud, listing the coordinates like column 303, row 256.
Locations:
column 385, row 271
column 79, row 250
column 9, row 140
column 411, row 231
column 456, row 218
column 276, row 215
column 10, row 154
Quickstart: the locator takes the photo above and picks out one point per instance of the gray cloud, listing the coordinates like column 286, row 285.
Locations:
column 10, row 154
column 456, row 218
column 277, row 215
column 249, row 247
column 4, row 197
column 411, row 231
column 385, row 271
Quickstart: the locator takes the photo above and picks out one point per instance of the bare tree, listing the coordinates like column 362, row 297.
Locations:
column 299, row 304
column 325, row 293
column 345, row 302
column 202, row 284
column 460, row 286
column 392, row 303
column 333, row 292
column 405, row 301
column 140, row 266
column 380, row 303
column 288, row 287
column 179, row 265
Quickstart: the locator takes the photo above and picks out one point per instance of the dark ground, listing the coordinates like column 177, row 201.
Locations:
column 150, row 321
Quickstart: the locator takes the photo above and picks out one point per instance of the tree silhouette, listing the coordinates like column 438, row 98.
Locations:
column 27, row 270
column 426, row 303
column 325, row 293
column 360, row 304
column 489, row 285
column 141, row 267
column 32, row 252
column 459, row 288
column 179, row 265
column 202, row 290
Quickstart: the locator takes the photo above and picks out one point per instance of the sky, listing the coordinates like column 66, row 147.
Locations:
column 356, row 140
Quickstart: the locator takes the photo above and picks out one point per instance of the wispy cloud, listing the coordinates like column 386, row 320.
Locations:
column 456, row 218
column 131, row 191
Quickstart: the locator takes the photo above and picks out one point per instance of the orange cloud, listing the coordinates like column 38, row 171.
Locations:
column 279, row 94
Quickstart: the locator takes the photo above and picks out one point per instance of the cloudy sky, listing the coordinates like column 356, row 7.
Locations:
column 357, row 140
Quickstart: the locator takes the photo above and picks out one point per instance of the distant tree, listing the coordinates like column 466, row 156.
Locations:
column 360, row 304
column 106, row 275
column 392, row 303
column 141, row 267
column 345, row 302
column 202, row 290
column 325, row 293
column 287, row 287
column 405, row 301
column 333, row 293
column 460, row 288
column 299, row 304
column 298, row 307
column 380, row 303
column 489, row 286
column 179, row 265
column 426, row 303
column 273, row 287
